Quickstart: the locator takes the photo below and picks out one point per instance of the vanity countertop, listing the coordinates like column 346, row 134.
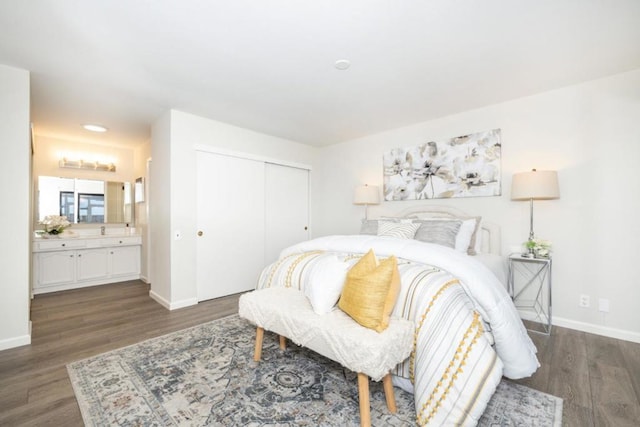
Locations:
column 68, row 241
column 82, row 235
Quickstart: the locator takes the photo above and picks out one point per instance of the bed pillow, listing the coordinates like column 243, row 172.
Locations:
column 400, row 230
column 469, row 235
column 476, row 240
column 370, row 291
column 442, row 232
column 369, row 226
column 325, row 284
column 467, row 239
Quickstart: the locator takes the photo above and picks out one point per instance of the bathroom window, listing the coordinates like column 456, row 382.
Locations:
column 90, row 208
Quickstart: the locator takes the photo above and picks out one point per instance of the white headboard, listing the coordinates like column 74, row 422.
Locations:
column 490, row 232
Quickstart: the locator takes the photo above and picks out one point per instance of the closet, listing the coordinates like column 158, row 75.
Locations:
column 248, row 210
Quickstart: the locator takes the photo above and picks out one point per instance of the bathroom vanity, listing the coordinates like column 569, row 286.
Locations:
column 68, row 262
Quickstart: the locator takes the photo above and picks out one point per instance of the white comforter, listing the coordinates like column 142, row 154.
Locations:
column 454, row 367
column 514, row 347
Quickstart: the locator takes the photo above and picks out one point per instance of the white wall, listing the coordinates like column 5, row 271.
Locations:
column 160, row 210
column 173, row 139
column 141, row 155
column 589, row 134
column 15, row 181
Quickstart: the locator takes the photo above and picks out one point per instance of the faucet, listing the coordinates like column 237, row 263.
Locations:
column 102, row 230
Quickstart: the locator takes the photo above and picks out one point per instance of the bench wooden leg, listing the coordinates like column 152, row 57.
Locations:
column 363, row 397
column 388, row 393
column 257, row 353
column 283, row 342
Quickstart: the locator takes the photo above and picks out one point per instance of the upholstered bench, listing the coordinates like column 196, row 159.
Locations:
column 335, row 335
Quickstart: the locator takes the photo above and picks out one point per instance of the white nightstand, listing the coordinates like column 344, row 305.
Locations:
column 530, row 289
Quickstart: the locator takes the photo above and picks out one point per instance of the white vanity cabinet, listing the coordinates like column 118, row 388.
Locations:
column 92, row 264
column 60, row 264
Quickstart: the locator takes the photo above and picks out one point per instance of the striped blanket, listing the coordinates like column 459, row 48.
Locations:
column 468, row 334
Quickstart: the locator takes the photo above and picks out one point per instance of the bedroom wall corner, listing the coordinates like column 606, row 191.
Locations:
column 160, row 209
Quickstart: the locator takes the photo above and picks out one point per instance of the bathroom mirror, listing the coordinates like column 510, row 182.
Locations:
column 84, row 201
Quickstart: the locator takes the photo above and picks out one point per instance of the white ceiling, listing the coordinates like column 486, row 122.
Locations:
column 269, row 65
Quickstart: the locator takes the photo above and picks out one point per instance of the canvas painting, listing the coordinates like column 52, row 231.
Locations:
column 464, row 166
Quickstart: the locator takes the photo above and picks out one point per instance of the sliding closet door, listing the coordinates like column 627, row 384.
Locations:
column 286, row 208
column 230, row 217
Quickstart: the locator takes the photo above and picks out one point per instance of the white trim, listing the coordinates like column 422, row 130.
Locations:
column 606, row 331
column 172, row 305
column 85, row 284
column 16, row 341
column 183, row 303
column 145, row 279
column 249, row 156
column 157, row 298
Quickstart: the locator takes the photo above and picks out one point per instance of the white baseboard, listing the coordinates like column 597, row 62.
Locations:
column 15, row 342
column 172, row 305
column 157, row 298
column 606, row 331
column 183, row 303
column 145, row 279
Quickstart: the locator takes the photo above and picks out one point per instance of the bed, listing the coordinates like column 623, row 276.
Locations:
column 468, row 333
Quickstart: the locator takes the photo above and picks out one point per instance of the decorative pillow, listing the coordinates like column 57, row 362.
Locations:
column 440, row 232
column 475, row 245
column 400, row 230
column 467, row 239
column 325, row 283
column 467, row 236
column 369, row 226
column 370, row 291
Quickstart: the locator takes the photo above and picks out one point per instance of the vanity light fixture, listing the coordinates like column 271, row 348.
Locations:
column 81, row 164
column 94, row 127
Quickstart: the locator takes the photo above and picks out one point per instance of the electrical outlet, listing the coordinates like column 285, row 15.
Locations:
column 585, row 301
column 603, row 305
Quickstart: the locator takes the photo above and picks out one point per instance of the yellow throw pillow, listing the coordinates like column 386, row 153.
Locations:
column 394, row 290
column 370, row 291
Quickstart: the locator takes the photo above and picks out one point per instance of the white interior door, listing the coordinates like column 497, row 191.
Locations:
column 230, row 218
column 286, row 208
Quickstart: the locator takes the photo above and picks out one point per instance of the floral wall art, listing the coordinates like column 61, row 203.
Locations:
column 464, row 166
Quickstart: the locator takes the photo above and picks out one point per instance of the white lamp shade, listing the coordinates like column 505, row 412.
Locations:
column 539, row 185
column 366, row 195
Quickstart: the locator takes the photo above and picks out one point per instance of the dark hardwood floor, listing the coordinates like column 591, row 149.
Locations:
column 598, row 377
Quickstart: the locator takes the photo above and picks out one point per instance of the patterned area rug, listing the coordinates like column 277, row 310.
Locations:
column 206, row 376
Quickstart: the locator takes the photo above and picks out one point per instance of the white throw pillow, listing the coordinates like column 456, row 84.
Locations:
column 325, row 284
column 463, row 239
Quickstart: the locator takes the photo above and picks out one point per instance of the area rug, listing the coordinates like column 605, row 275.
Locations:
column 206, row 376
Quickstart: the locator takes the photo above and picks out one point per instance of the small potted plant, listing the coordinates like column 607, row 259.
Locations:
column 538, row 248
column 55, row 224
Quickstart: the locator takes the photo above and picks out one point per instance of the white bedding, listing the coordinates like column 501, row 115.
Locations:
column 468, row 333
column 497, row 264
column 514, row 347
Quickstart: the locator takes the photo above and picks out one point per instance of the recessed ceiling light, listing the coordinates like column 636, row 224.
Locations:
column 95, row 128
column 342, row 64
